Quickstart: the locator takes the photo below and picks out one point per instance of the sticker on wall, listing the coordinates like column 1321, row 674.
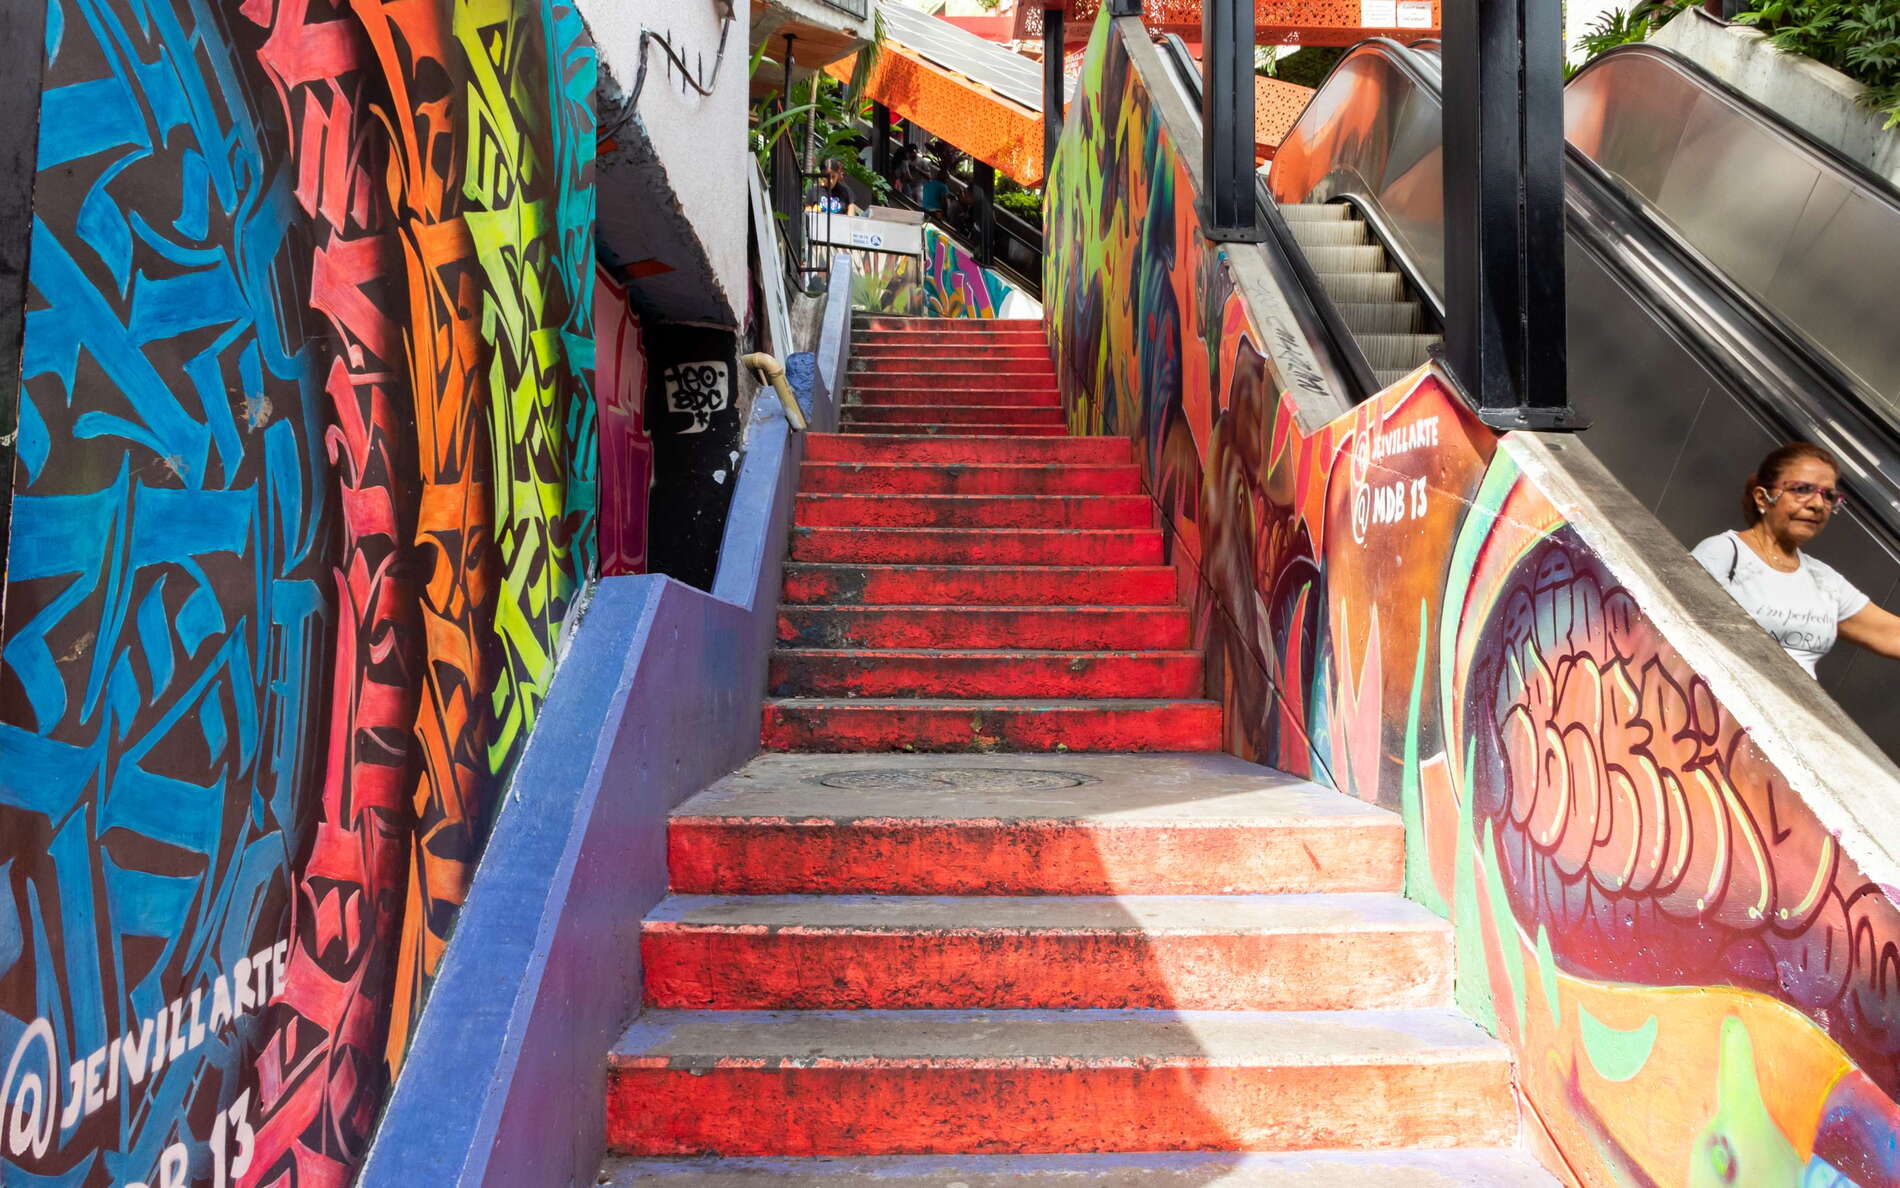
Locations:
column 1415, row 14
column 1378, row 14
column 698, row 390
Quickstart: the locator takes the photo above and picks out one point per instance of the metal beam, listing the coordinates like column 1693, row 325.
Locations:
column 1504, row 211
column 1228, row 213
column 1118, row 8
column 1054, row 88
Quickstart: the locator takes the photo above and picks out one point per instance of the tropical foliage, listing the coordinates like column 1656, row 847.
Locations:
column 1861, row 40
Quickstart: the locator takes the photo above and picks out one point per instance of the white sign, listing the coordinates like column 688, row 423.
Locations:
column 698, row 390
column 1415, row 14
column 1378, row 14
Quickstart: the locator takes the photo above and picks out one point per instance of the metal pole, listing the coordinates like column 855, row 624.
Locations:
column 1054, row 58
column 881, row 140
column 983, row 183
column 1504, row 212
column 1227, row 121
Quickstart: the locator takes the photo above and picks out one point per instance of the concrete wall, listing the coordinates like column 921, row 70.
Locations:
column 1669, row 862
column 696, row 142
column 1818, row 99
column 662, row 696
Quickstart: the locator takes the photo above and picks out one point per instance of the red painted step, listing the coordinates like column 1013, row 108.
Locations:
column 869, row 1083
column 909, row 478
column 953, row 382
column 816, row 724
column 881, row 429
column 858, row 672
column 880, row 323
column 976, row 511
column 953, row 414
column 979, row 546
column 1000, row 349
column 896, row 448
column 949, row 366
column 1082, row 628
column 982, row 585
column 1160, row 952
column 1078, row 825
column 1020, row 397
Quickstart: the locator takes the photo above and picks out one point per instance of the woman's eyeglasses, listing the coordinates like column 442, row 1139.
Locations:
column 1832, row 496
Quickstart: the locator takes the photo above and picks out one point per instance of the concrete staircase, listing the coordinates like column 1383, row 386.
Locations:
column 964, row 576
column 1035, row 968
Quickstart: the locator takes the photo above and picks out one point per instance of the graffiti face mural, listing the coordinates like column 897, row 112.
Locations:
column 305, row 487
column 1698, row 981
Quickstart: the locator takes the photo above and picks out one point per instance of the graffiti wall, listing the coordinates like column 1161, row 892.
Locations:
column 946, row 283
column 306, row 484
column 626, row 447
column 1700, row 984
column 956, row 286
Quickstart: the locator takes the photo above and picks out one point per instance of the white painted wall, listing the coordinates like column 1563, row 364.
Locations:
column 701, row 140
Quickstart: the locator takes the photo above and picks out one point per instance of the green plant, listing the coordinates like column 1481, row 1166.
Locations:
column 1624, row 26
column 1307, row 67
column 832, row 114
column 1861, row 40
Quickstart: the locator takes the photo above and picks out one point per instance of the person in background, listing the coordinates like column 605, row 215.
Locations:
column 908, row 174
column 933, row 192
column 830, row 194
column 1801, row 601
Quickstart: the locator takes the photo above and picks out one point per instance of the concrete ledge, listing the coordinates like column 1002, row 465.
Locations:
column 1818, row 99
column 658, row 696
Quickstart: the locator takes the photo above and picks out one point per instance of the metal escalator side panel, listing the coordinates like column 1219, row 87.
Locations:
column 1811, row 235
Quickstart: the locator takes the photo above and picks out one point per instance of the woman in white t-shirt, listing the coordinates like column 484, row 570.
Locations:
column 1800, row 601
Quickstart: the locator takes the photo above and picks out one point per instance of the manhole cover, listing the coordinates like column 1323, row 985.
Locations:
column 977, row 779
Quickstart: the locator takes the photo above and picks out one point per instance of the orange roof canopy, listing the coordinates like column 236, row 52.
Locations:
column 957, row 109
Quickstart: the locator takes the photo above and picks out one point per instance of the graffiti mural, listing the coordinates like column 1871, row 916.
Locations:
column 956, row 286
column 306, row 485
column 1699, row 983
column 626, row 448
column 887, row 283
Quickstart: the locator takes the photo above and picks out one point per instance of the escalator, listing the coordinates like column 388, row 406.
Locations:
column 1728, row 283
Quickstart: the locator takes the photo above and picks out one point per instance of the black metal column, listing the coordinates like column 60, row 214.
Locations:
column 1120, row 8
column 1227, row 121
column 983, row 190
column 1504, row 210
column 1054, row 58
column 881, row 140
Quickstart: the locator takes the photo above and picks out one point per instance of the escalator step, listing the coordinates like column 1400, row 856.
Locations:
column 1369, row 258
column 1316, row 212
column 1363, row 288
column 1310, row 234
column 1387, row 352
column 1388, row 378
column 1382, row 317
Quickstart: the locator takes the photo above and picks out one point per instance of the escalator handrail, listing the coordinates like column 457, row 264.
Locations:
column 1312, row 307
column 1863, row 439
column 1821, row 153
